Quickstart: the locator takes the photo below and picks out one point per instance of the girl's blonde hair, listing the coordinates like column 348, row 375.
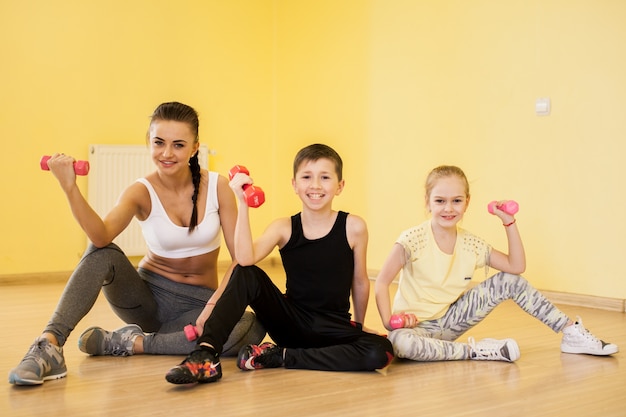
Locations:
column 443, row 171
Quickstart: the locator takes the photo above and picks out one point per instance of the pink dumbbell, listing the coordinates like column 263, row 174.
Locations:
column 254, row 195
column 190, row 332
column 80, row 167
column 509, row 207
column 396, row 321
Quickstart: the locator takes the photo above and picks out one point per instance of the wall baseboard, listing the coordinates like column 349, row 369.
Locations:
column 591, row 301
column 578, row 300
column 564, row 298
column 62, row 276
column 35, row 278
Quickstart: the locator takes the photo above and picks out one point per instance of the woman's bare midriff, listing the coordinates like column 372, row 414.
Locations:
column 198, row 270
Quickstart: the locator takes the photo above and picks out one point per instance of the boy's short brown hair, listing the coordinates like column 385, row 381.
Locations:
column 315, row 152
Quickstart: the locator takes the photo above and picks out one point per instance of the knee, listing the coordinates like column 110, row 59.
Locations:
column 91, row 249
column 251, row 329
column 249, row 277
column 380, row 354
column 245, row 273
column 511, row 279
column 403, row 341
column 109, row 255
column 248, row 330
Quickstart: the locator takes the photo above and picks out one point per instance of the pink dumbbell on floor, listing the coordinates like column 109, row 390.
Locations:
column 190, row 332
column 80, row 167
column 509, row 206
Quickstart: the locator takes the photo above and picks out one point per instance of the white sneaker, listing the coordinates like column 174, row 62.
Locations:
column 577, row 339
column 494, row 350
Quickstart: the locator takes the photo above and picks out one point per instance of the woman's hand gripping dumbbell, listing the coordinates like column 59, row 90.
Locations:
column 253, row 196
column 80, row 167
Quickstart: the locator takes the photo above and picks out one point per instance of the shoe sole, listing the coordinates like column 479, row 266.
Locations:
column 189, row 379
column 513, row 348
column 583, row 351
column 85, row 347
column 15, row 380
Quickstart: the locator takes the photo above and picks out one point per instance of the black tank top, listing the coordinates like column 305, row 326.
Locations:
column 319, row 272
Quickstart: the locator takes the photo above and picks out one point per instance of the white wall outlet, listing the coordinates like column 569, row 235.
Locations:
column 542, row 106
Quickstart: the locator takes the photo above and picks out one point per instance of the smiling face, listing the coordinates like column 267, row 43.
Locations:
column 316, row 182
column 448, row 201
column 172, row 144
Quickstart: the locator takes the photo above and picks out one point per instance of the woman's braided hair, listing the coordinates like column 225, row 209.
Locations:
column 179, row 112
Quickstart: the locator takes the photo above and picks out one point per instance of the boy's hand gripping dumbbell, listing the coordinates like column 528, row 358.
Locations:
column 254, row 196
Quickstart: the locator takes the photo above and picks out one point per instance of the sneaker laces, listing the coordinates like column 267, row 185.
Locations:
column 200, row 355
column 202, row 363
column 119, row 345
column 489, row 348
column 270, row 356
column 36, row 349
column 584, row 332
column 118, row 349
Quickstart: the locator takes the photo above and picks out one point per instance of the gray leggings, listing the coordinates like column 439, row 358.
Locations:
column 433, row 340
column 161, row 307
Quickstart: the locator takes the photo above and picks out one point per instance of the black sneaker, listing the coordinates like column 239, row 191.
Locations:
column 201, row 366
column 266, row 355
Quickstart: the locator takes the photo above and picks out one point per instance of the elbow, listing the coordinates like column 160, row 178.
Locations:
column 245, row 261
column 101, row 243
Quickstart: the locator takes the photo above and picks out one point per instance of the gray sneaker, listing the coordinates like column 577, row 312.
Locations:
column 494, row 350
column 43, row 362
column 97, row 341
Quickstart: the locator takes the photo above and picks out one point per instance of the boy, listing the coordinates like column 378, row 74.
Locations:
column 324, row 255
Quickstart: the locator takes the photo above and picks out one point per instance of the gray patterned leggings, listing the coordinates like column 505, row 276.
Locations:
column 161, row 307
column 434, row 340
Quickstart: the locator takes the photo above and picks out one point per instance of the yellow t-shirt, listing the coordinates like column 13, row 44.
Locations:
column 431, row 280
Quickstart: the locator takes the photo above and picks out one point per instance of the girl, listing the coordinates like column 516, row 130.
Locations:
column 181, row 209
column 437, row 260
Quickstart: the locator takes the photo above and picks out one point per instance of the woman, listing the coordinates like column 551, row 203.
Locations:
column 181, row 209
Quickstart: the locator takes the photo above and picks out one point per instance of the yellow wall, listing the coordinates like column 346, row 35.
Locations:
column 402, row 86
column 396, row 87
column 456, row 81
column 75, row 73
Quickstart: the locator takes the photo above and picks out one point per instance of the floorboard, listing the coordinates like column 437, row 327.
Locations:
column 543, row 382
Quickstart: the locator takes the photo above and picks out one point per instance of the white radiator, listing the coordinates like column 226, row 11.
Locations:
column 112, row 169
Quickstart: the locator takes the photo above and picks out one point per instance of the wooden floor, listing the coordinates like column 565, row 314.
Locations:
column 543, row 382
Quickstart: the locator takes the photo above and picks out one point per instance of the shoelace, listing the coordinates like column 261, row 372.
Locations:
column 35, row 350
column 269, row 355
column 488, row 348
column 584, row 332
column 116, row 348
column 199, row 355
